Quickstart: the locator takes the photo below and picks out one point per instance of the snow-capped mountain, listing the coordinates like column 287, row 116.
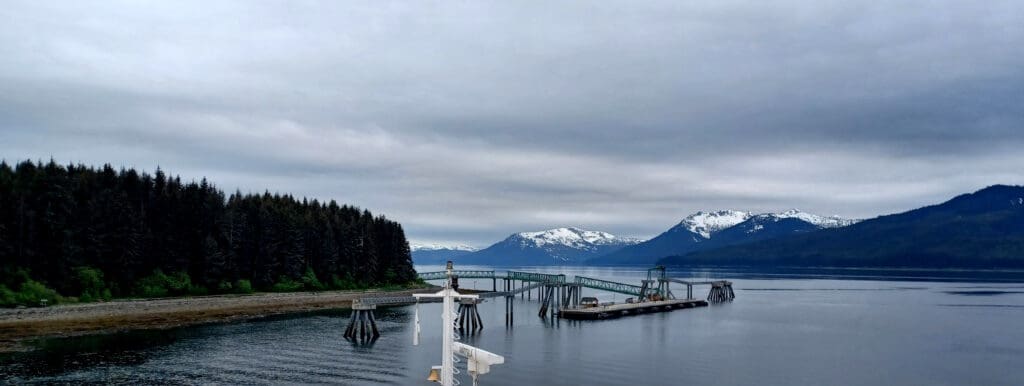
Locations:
column 438, row 253
column 705, row 224
column 571, row 237
column 552, row 246
column 708, row 230
column 440, row 247
column 984, row 229
column 819, row 221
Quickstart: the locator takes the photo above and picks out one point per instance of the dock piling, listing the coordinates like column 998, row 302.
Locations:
column 721, row 291
column 362, row 326
column 469, row 317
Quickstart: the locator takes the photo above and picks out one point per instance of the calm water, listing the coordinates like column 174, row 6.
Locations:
column 798, row 327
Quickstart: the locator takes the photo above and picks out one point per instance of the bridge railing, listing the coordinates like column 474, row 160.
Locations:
column 533, row 276
column 609, row 286
column 687, row 282
column 513, row 292
column 387, row 300
column 463, row 274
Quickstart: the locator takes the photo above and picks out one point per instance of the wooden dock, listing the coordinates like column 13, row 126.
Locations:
column 623, row 309
column 558, row 297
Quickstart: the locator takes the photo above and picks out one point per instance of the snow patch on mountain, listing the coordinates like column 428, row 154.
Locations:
column 707, row 223
column 819, row 221
column 442, row 247
column 572, row 237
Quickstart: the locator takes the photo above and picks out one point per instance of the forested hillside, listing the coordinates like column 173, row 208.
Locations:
column 90, row 233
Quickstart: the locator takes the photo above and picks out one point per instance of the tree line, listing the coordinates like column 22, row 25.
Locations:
column 92, row 232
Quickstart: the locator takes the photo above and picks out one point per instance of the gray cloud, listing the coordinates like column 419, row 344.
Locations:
column 470, row 121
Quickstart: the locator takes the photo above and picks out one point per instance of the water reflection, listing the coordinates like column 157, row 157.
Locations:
column 983, row 293
column 780, row 330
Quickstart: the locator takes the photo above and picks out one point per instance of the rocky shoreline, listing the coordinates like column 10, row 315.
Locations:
column 18, row 326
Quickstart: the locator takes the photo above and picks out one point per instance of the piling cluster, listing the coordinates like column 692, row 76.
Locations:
column 363, row 326
column 721, row 291
column 469, row 318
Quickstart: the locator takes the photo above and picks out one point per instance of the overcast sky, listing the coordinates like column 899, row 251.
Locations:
column 467, row 121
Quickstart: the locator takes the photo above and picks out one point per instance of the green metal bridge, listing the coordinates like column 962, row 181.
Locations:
column 511, row 275
column 536, row 277
column 610, row 286
column 657, row 282
column 550, row 279
column 464, row 274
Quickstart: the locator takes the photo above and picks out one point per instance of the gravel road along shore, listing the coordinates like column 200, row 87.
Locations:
column 19, row 325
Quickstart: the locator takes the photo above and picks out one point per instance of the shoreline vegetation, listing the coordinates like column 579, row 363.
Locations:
column 77, row 233
column 86, row 250
column 20, row 326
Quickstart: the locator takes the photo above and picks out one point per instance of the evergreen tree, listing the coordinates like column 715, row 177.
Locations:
column 135, row 230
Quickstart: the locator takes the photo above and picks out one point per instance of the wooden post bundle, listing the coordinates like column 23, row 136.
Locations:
column 543, row 304
column 721, row 291
column 469, row 317
column 546, row 300
column 363, row 325
column 509, row 310
column 570, row 298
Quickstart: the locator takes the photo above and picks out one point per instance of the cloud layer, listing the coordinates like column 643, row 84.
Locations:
column 469, row 121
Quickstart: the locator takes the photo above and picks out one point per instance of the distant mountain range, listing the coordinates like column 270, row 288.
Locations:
column 439, row 253
column 550, row 247
column 564, row 246
column 984, row 229
column 709, row 230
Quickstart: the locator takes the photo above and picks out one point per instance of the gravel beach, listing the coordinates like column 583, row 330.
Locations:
column 20, row 325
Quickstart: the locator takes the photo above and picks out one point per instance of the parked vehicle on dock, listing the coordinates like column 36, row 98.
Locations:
column 588, row 302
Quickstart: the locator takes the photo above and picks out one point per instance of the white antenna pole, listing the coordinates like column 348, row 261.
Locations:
column 416, row 329
column 479, row 360
column 447, row 332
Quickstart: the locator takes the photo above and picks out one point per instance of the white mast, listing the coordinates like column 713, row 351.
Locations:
column 479, row 360
column 448, row 332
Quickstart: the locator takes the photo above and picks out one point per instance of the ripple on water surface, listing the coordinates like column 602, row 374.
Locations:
column 298, row 349
column 779, row 331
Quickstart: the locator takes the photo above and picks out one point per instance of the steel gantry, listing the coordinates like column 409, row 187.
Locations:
column 610, row 286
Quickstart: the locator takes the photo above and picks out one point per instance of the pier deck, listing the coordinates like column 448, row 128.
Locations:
column 558, row 297
column 616, row 310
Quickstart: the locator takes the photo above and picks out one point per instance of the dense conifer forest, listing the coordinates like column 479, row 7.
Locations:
column 89, row 233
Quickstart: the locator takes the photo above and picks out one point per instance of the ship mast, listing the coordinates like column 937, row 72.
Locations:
column 479, row 361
